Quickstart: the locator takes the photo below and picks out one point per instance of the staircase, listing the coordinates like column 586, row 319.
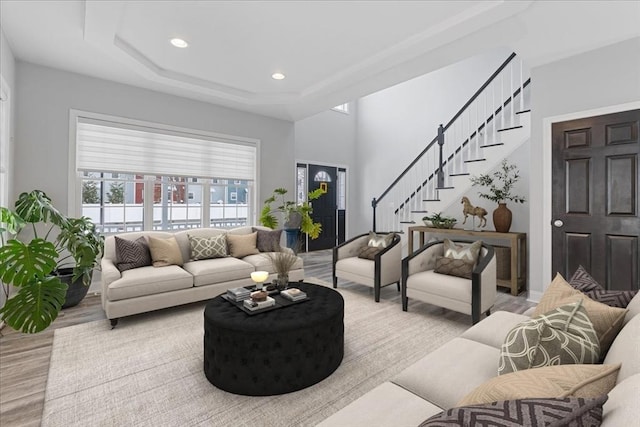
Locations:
column 490, row 126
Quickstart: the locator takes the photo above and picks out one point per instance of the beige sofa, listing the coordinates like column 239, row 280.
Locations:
column 443, row 377
column 151, row 288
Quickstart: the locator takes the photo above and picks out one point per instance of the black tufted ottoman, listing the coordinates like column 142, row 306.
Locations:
column 275, row 352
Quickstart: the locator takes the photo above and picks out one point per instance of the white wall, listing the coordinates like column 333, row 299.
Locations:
column 46, row 95
column 395, row 124
column 329, row 138
column 592, row 83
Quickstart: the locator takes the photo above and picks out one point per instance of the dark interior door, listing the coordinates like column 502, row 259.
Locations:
column 595, row 219
column 324, row 208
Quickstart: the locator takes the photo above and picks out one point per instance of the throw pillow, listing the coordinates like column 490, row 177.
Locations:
column 468, row 252
column 550, row 381
column 132, row 253
column 454, row 267
column 582, row 281
column 607, row 321
column 570, row 411
column 369, row 252
column 564, row 335
column 165, row 252
column 268, row 241
column 380, row 240
column 241, row 245
column 208, row 247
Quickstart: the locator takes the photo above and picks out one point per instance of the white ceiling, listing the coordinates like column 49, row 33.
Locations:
column 330, row 51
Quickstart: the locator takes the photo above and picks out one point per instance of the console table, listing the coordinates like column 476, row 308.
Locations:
column 517, row 243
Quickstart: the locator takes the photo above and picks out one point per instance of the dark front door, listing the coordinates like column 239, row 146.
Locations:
column 595, row 198
column 324, row 208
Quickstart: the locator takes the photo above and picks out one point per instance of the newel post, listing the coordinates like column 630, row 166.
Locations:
column 441, row 161
column 374, row 205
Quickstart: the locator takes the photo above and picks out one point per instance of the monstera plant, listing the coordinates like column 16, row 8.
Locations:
column 60, row 249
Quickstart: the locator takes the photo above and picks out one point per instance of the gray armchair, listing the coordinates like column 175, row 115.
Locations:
column 383, row 270
column 473, row 297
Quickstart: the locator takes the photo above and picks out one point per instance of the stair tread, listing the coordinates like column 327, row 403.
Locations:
column 459, row 174
column 474, row 160
column 430, row 200
column 523, row 111
column 445, row 188
column 510, row 128
column 407, row 222
column 492, row 145
column 419, row 211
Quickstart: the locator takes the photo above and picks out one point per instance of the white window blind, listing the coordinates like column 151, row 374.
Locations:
column 118, row 147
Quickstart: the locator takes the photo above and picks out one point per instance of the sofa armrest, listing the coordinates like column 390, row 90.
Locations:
column 488, row 280
column 110, row 274
column 424, row 259
column 350, row 248
column 390, row 262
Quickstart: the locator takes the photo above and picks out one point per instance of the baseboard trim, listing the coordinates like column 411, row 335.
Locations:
column 534, row 296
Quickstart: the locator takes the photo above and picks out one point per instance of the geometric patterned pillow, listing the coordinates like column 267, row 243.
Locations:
column 569, row 411
column 454, row 267
column 582, row 281
column 208, row 247
column 132, row 253
column 468, row 252
column 564, row 335
column 369, row 252
column 380, row 240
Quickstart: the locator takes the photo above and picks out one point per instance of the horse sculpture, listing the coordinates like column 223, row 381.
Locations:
column 469, row 209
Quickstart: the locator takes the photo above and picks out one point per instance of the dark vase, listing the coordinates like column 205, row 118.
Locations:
column 502, row 218
column 76, row 290
column 282, row 282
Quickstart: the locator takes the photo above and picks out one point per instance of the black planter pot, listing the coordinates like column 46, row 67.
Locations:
column 76, row 290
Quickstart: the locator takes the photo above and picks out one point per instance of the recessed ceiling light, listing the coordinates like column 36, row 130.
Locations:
column 179, row 43
column 277, row 76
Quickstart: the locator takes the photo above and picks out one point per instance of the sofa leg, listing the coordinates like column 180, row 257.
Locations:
column 114, row 322
column 488, row 312
column 377, row 293
column 335, row 282
column 405, row 303
column 398, row 283
column 475, row 318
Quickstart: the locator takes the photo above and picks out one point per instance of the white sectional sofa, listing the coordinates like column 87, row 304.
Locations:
column 442, row 378
column 150, row 288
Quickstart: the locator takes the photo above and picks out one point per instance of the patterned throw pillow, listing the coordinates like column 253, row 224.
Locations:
column 208, row 247
column 562, row 336
column 607, row 321
column 550, row 381
column 570, row 411
column 380, row 240
column 132, row 253
column 369, row 252
column 241, row 245
column 582, row 281
column 468, row 252
column 268, row 241
column 165, row 252
column 454, row 267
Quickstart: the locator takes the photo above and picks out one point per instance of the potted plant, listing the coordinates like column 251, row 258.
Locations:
column 439, row 221
column 500, row 186
column 49, row 272
column 297, row 217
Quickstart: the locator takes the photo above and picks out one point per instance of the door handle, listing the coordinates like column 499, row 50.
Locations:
column 558, row 223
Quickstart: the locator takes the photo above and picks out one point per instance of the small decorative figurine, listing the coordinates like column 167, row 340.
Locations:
column 469, row 209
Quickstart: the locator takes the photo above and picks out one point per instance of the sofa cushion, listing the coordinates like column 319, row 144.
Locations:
column 455, row 288
column 625, row 349
column 210, row 271
column 607, row 321
column 358, row 266
column 165, row 252
column 241, row 245
column 385, row 405
column 208, row 247
column 494, row 329
column 369, row 252
column 132, row 253
column 569, row 411
column 148, row 281
column 262, row 262
column 450, row 372
column 268, row 240
column 468, row 252
column 582, row 281
column 563, row 335
column 549, row 381
column 454, row 267
column 621, row 409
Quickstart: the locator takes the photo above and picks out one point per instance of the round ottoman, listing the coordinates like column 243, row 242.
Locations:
column 274, row 352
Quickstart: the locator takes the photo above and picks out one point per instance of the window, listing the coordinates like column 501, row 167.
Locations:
column 342, row 108
column 342, row 189
column 5, row 165
column 301, row 183
column 139, row 176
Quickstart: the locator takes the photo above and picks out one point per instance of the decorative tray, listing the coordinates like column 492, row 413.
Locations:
column 281, row 302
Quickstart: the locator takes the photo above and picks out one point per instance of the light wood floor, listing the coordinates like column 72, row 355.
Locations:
column 24, row 359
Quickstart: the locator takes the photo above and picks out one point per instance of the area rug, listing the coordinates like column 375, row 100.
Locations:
column 149, row 370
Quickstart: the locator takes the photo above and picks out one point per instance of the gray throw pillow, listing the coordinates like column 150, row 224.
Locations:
column 208, row 247
column 369, row 252
column 582, row 281
column 268, row 240
column 568, row 411
column 454, row 267
column 469, row 252
column 564, row 335
column 132, row 253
